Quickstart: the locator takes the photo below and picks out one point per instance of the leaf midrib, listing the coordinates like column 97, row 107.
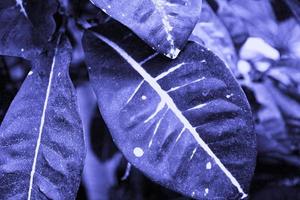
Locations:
column 169, row 101
column 42, row 123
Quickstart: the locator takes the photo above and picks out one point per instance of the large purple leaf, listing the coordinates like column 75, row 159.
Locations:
column 41, row 145
column 26, row 26
column 185, row 123
column 164, row 24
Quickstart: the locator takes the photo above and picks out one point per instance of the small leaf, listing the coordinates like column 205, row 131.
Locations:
column 26, row 26
column 42, row 147
column 165, row 25
column 185, row 123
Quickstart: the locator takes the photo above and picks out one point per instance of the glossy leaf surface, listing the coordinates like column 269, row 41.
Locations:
column 42, row 147
column 164, row 24
column 185, row 123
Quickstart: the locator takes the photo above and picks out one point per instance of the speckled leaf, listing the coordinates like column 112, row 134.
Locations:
column 185, row 123
column 164, row 24
column 26, row 25
column 41, row 145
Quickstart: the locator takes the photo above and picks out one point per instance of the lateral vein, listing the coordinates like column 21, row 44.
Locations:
column 169, row 101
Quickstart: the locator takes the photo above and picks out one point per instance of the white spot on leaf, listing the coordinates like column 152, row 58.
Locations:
column 173, row 107
column 138, row 152
column 206, row 191
column 229, row 95
column 30, row 73
column 144, row 97
column 208, row 165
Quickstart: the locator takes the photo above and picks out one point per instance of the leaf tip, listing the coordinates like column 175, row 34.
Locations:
column 173, row 53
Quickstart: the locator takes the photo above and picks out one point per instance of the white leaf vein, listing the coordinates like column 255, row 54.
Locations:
column 172, row 106
column 41, row 128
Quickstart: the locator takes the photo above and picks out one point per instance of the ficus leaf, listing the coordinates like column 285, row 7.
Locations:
column 185, row 123
column 26, row 26
column 42, row 147
column 165, row 25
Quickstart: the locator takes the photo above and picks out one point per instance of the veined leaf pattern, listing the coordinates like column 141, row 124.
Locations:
column 42, row 147
column 185, row 123
column 164, row 24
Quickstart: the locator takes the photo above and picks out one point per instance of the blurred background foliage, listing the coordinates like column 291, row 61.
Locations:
column 258, row 39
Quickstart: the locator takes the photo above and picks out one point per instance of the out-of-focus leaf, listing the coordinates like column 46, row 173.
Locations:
column 212, row 32
column 101, row 142
column 235, row 26
column 289, row 107
column 258, row 17
column 26, row 26
column 287, row 79
column 271, row 123
column 287, row 39
column 98, row 177
column 294, row 5
column 165, row 25
column 42, row 147
column 185, row 123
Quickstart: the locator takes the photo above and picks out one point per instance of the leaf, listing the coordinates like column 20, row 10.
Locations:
column 294, row 5
column 287, row 78
column 287, row 39
column 289, row 107
column 271, row 123
column 215, row 36
column 185, row 123
column 234, row 24
column 98, row 176
column 42, row 147
column 26, row 26
column 165, row 25
column 259, row 18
